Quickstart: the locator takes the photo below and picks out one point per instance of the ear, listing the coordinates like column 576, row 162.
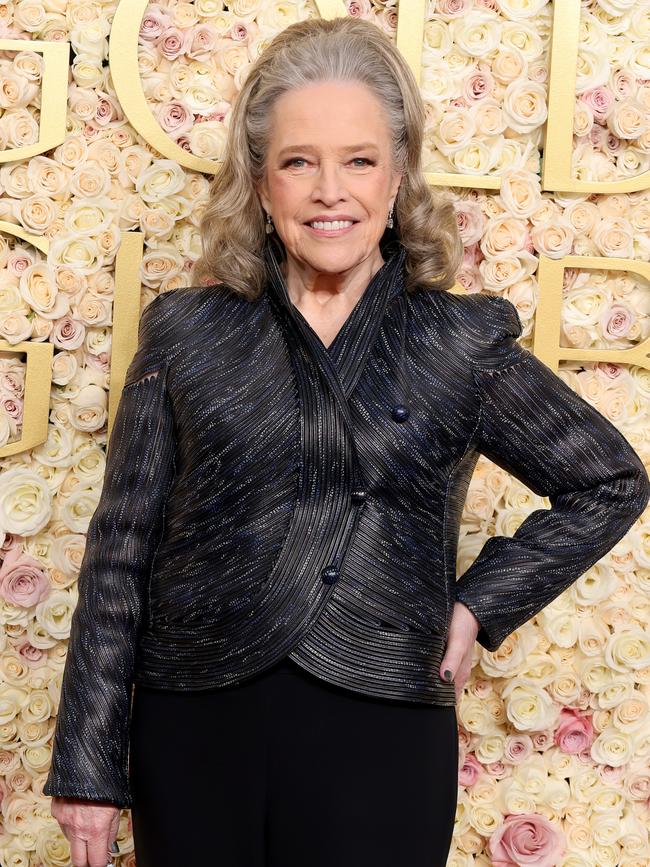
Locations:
column 394, row 187
column 262, row 192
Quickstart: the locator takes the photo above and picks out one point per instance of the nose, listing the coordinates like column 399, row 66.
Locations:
column 328, row 183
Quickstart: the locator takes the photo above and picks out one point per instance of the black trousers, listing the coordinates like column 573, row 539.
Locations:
column 286, row 770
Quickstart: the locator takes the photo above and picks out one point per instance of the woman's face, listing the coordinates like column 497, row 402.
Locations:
column 329, row 157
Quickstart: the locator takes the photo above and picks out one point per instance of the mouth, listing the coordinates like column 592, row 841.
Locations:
column 331, row 230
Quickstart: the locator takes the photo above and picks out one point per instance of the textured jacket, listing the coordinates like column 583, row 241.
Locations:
column 266, row 496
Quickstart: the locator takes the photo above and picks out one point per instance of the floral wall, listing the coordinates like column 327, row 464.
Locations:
column 555, row 725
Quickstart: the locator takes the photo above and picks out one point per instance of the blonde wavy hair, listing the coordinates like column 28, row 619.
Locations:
column 232, row 226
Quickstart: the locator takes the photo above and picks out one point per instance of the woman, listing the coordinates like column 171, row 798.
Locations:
column 272, row 561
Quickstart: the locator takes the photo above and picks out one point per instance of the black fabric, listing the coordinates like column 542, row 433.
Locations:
column 289, row 771
column 267, row 496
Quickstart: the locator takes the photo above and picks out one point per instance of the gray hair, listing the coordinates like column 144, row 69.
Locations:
column 232, row 226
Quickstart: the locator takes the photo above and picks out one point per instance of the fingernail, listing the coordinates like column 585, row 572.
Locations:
column 447, row 674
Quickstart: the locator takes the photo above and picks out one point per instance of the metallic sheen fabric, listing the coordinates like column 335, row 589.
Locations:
column 266, row 496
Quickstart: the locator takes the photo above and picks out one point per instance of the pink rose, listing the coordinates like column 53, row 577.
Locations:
column 597, row 136
column 239, row 31
column 478, row 86
column 470, row 771
column 175, row 118
column 33, row 656
column 469, row 279
column 12, row 383
column 526, row 839
column 610, row 371
column 203, row 42
column 12, row 407
column 600, row 100
column 155, row 23
column 624, row 83
column 22, row 580
column 574, row 733
column 173, row 43
column 454, row 8
column 107, row 110
column 358, row 8
column 517, row 749
column 617, row 320
column 68, row 333
column 613, row 144
column 19, row 261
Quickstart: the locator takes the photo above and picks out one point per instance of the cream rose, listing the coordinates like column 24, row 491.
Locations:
column 516, row 10
column 528, row 706
column 456, row 129
column 478, row 34
column 504, row 235
column 25, row 502
column 521, row 38
column 628, row 119
column 54, row 614
column 612, row 747
column 614, row 236
column 524, row 105
column 628, row 649
column 520, row 192
column 555, row 239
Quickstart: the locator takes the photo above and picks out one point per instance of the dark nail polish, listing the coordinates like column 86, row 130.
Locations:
column 447, row 674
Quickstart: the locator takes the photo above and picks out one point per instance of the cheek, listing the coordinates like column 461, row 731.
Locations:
column 285, row 195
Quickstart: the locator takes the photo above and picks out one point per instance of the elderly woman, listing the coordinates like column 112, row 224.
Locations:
column 272, row 564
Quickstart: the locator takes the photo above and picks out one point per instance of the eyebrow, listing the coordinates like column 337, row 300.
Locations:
column 346, row 148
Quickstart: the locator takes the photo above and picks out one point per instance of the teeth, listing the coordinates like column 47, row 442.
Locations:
column 330, row 227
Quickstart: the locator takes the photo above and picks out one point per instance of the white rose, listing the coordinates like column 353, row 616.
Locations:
column 516, row 10
column 628, row 119
column 612, row 747
column 475, row 158
column 25, row 502
column 555, row 239
column 478, row 34
column 523, row 39
column 528, row 706
column 628, row 649
column 160, row 180
column 520, row 192
column 54, row 614
column 524, row 105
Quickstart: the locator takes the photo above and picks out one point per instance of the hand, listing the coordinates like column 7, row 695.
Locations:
column 457, row 658
column 90, row 827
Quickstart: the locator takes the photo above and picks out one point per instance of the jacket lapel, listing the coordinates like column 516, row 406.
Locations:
column 342, row 364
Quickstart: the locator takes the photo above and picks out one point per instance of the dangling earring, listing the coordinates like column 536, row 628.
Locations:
column 269, row 224
column 389, row 221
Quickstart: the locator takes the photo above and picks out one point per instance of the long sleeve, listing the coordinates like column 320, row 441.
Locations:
column 533, row 425
column 90, row 747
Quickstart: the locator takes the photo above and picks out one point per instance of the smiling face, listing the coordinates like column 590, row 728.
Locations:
column 329, row 157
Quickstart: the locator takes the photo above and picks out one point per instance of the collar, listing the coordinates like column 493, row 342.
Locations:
column 342, row 363
column 363, row 322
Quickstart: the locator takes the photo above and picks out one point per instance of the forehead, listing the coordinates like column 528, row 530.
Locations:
column 340, row 114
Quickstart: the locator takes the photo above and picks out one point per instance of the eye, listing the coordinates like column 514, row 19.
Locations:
column 293, row 160
column 364, row 160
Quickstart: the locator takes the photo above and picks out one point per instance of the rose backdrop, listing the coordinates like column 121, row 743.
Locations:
column 555, row 725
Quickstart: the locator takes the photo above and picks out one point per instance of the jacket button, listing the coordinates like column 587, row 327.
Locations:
column 400, row 412
column 330, row 574
column 359, row 496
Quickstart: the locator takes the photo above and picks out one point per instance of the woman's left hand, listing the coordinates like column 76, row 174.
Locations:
column 459, row 649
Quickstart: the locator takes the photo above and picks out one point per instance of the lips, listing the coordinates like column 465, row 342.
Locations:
column 331, row 220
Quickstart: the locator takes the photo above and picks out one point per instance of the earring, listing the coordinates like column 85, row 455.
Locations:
column 269, row 224
column 389, row 221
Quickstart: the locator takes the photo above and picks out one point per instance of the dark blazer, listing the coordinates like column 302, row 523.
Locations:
column 266, row 496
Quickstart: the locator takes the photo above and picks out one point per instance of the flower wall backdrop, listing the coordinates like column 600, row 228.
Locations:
column 555, row 725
